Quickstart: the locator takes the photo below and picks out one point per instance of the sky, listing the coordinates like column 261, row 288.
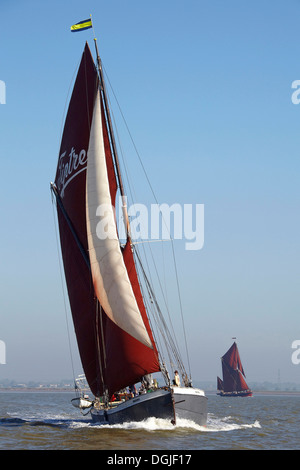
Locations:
column 206, row 87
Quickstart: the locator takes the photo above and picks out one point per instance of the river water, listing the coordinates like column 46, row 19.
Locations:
column 48, row 421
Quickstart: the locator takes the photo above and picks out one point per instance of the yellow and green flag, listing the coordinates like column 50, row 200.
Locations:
column 85, row 24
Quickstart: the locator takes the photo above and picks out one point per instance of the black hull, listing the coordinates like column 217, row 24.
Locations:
column 247, row 393
column 158, row 404
column 191, row 404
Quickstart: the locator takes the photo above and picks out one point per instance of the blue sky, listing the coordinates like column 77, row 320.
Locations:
column 206, row 90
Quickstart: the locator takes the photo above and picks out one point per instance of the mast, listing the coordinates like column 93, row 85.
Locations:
column 113, row 142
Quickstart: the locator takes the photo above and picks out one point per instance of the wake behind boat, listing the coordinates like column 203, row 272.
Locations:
column 115, row 340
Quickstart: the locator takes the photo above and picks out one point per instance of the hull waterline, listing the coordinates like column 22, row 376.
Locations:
column 190, row 404
column 235, row 394
column 158, row 404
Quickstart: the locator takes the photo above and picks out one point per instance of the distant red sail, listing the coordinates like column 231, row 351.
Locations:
column 233, row 372
column 220, row 385
column 232, row 357
column 242, row 385
column 111, row 357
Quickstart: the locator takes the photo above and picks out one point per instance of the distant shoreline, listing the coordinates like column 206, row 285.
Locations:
column 276, row 392
column 37, row 389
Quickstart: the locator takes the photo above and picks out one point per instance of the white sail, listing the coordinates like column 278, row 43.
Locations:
column 110, row 277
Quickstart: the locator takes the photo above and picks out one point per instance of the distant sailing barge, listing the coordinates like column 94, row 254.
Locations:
column 233, row 383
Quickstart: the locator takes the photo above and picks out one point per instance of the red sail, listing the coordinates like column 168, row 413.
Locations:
column 220, row 385
column 232, row 358
column 233, row 371
column 128, row 359
column 242, row 385
column 111, row 358
column 70, row 182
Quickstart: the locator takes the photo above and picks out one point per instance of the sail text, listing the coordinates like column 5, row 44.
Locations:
column 69, row 166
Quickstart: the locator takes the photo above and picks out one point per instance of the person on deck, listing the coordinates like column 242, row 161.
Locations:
column 132, row 391
column 176, row 379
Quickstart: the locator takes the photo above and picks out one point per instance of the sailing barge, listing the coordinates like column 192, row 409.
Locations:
column 233, row 383
column 115, row 341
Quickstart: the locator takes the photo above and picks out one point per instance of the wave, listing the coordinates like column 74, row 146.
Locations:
column 151, row 424
column 214, row 424
column 227, row 423
column 12, row 422
column 56, row 421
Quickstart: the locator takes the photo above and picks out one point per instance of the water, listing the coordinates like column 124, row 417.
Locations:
column 48, row 421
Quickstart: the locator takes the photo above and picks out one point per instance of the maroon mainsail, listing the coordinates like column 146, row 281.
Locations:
column 113, row 354
column 234, row 383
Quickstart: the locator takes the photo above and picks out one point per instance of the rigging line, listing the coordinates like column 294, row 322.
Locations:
column 70, row 225
column 171, row 343
column 130, row 135
column 62, row 283
column 158, row 333
column 131, row 191
column 100, row 327
column 112, row 138
column 155, row 198
column 86, row 95
column 164, row 273
column 165, row 300
column 131, row 188
column 151, row 241
column 179, row 295
column 164, row 348
column 150, row 307
column 152, row 318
